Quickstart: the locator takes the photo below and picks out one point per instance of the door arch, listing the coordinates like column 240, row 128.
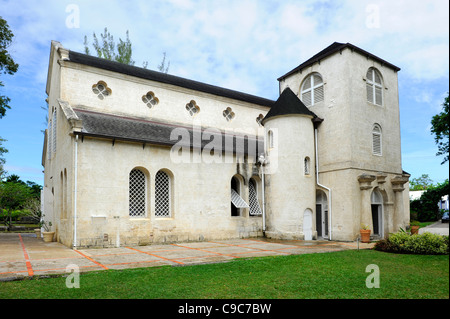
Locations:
column 321, row 214
column 307, row 224
column 376, row 201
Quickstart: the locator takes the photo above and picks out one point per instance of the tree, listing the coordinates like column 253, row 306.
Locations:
column 7, row 64
column 12, row 196
column 421, row 183
column 122, row 52
column 15, row 195
column 426, row 207
column 2, row 160
column 439, row 127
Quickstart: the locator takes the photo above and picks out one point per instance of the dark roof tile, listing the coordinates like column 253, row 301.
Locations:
column 288, row 103
column 115, row 127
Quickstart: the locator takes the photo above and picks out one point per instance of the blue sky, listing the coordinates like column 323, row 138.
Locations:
column 243, row 45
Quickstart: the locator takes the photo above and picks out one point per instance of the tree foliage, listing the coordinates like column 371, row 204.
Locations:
column 2, row 160
column 15, row 195
column 7, row 64
column 426, row 207
column 421, row 183
column 122, row 52
column 440, row 129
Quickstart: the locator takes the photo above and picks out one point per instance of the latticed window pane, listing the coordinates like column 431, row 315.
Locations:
column 137, row 193
column 162, row 194
column 253, row 198
column 306, row 166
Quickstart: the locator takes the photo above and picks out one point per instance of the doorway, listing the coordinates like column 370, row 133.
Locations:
column 307, row 224
column 377, row 213
column 321, row 214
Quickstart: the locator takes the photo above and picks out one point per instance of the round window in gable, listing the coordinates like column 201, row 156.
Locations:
column 150, row 99
column 192, row 108
column 101, row 89
column 228, row 114
column 259, row 119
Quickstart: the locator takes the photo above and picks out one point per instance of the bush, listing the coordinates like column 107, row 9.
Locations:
column 426, row 207
column 424, row 244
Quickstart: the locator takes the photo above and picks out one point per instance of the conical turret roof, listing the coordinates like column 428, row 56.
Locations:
column 288, row 103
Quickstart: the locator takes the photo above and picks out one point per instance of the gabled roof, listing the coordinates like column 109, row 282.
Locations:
column 129, row 129
column 333, row 48
column 113, row 66
column 288, row 103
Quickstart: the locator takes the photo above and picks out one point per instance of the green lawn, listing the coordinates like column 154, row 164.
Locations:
column 322, row 275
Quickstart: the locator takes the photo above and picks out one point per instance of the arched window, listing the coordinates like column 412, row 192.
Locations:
column 307, row 166
column 312, row 90
column 255, row 209
column 270, row 143
column 54, row 128
column 162, row 194
column 137, row 193
column 374, row 87
column 49, row 139
column 376, row 200
column 376, row 140
column 237, row 202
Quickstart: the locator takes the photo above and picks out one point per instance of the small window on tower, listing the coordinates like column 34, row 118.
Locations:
column 374, row 87
column 312, row 90
column 376, row 140
column 307, row 166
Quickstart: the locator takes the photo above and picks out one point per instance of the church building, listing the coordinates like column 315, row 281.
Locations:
column 133, row 156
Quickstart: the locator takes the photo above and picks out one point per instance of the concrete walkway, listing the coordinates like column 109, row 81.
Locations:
column 436, row 228
column 23, row 255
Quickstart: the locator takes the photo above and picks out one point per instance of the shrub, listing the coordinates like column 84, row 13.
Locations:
column 425, row 244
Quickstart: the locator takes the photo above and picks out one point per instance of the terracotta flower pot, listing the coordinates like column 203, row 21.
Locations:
column 414, row 230
column 365, row 235
column 48, row 236
column 37, row 231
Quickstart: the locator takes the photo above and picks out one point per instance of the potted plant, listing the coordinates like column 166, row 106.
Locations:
column 415, row 227
column 47, row 234
column 37, row 231
column 365, row 233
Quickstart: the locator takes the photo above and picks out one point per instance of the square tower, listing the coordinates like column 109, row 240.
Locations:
column 358, row 143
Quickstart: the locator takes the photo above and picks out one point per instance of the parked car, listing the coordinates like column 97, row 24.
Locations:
column 445, row 217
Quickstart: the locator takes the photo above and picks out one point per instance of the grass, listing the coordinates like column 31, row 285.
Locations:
column 337, row 275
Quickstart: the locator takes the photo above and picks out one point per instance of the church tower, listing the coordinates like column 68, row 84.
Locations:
column 360, row 180
column 290, row 184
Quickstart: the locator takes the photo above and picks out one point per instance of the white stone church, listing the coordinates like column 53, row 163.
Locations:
column 133, row 156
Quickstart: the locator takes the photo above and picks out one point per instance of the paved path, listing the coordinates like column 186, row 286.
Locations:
column 436, row 228
column 23, row 255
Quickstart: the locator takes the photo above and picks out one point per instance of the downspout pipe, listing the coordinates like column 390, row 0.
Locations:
column 323, row 186
column 262, row 161
column 75, row 194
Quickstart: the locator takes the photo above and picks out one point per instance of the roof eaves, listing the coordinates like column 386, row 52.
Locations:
column 333, row 48
column 113, row 66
